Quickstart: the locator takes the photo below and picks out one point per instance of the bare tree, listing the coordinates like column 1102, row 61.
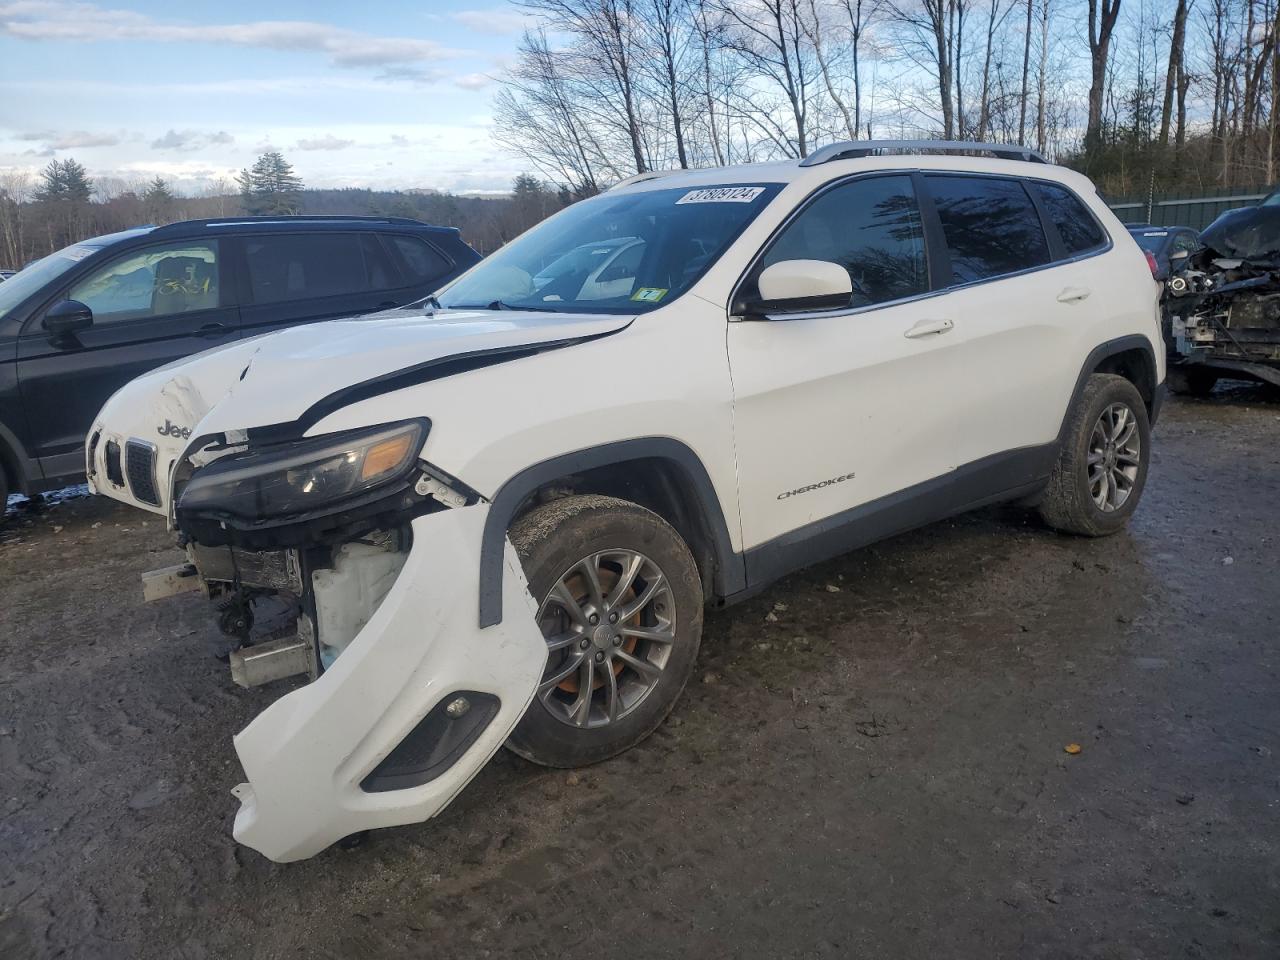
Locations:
column 1174, row 69
column 1102, row 24
column 769, row 36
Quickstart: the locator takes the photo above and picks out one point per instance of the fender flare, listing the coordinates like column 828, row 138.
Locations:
column 15, row 462
column 1103, row 351
column 730, row 573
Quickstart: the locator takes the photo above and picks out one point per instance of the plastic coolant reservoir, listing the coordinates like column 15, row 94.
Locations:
column 349, row 593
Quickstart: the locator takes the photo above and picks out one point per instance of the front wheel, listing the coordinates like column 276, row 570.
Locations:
column 1102, row 466
column 620, row 606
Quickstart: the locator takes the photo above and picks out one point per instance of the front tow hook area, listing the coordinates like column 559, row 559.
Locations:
column 420, row 667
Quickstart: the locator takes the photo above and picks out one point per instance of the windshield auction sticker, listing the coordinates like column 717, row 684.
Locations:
column 722, row 195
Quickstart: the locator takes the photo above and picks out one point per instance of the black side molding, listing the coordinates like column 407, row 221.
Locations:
column 730, row 575
column 1002, row 476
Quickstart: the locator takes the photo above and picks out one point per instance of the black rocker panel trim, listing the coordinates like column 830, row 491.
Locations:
column 729, row 576
column 1002, row 476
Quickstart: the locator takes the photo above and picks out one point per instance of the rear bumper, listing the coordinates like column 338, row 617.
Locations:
column 307, row 755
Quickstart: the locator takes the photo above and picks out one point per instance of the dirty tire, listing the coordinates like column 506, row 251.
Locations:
column 1068, row 503
column 550, row 541
column 1192, row 381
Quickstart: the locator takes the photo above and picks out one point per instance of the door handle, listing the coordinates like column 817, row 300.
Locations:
column 1074, row 294
column 211, row 331
column 927, row 328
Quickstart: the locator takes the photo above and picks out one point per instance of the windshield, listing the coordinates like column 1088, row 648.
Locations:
column 30, row 279
column 626, row 253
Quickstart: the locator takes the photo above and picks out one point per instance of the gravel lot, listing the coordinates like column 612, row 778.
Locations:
column 879, row 772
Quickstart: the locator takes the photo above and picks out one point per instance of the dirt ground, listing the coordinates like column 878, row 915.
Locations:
column 878, row 773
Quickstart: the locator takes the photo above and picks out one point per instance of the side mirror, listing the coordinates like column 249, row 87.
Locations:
column 68, row 317
column 803, row 285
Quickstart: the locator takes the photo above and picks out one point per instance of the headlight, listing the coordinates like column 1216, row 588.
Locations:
column 305, row 476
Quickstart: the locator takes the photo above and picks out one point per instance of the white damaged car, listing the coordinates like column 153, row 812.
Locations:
column 497, row 516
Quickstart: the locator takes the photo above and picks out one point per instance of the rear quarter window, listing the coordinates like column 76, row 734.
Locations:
column 1077, row 226
column 420, row 261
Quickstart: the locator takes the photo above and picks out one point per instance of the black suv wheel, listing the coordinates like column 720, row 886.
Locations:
column 620, row 606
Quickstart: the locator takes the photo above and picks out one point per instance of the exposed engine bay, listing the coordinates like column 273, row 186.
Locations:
column 1222, row 303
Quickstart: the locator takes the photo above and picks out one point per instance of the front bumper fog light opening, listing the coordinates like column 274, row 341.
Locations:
column 436, row 743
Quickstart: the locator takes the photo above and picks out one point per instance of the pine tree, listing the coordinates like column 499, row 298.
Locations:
column 158, row 200
column 64, row 192
column 270, row 187
column 67, row 180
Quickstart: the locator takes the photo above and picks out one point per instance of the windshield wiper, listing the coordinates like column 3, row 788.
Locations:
column 499, row 305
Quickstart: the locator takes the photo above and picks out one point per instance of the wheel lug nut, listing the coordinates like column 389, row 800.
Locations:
column 600, row 656
column 613, row 618
column 594, row 619
column 585, row 643
column 617, row 641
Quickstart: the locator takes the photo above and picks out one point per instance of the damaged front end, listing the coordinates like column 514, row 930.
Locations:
column 368, row 559
column 1222, row 303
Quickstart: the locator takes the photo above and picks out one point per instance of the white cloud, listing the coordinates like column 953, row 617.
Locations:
column 502, row 22
column 88, row 22
column 191, row 140
column 327, row 142
column 71, row 140
column 473, row 81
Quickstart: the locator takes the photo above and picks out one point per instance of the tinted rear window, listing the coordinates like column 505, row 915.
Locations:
column 1077, row 227
column 302, row 266
column 991, row 226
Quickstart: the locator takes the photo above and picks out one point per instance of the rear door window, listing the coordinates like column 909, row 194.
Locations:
column 305, row 266
column 1078, row 228
column 990, row 225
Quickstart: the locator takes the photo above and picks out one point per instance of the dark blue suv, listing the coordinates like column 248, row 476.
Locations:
column 79, row 324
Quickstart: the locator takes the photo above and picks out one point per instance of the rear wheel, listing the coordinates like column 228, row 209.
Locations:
column 1102, row 467
column 4, row 492
column 620, row 606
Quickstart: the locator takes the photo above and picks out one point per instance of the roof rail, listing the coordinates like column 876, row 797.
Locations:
column 253, row 221
column 854, row 149
column 642, row 177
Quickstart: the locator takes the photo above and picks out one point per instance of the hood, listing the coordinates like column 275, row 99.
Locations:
column 1250, row 233
column 297, row 376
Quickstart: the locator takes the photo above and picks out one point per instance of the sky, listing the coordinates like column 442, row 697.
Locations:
column 384, row 93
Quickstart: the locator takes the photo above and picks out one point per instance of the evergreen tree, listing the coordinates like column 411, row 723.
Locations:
column 64, row 193
column 66, row 180
column 270, row 187
column 158, row 200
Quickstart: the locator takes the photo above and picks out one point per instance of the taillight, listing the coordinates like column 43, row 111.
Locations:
column 1151, row 262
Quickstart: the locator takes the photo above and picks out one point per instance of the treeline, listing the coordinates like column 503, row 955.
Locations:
column 1159, row 94
column 63, row 204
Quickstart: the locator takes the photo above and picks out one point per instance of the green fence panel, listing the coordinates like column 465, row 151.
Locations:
column 1188, row 209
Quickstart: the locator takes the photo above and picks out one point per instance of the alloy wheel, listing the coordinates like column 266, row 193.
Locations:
column 1115, row 453
column 609, row 626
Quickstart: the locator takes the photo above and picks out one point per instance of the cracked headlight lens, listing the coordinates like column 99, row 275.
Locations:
column 305, row 476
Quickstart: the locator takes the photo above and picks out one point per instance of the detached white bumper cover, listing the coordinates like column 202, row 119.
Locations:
column 307, row 753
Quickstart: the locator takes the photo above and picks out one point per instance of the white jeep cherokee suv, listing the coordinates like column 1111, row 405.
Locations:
column 498, row 515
